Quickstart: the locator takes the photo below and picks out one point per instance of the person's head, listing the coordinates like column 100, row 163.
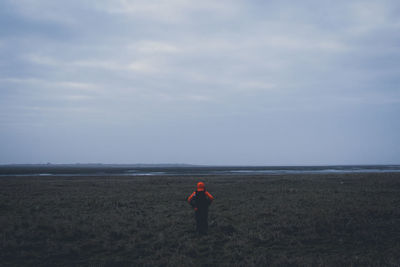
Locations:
column 201, row 186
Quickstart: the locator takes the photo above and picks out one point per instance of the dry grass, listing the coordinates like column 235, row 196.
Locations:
column 314, row 220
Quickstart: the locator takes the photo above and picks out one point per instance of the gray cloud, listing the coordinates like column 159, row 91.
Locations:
column 232, row 82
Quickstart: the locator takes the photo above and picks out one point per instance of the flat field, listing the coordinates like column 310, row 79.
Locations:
column 278, row 220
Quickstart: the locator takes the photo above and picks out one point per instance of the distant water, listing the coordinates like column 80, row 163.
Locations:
column 171, row 170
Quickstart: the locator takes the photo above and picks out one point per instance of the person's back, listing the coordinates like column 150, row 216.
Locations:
column 200, row 200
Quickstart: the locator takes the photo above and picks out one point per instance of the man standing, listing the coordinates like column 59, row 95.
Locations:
column 200, row 200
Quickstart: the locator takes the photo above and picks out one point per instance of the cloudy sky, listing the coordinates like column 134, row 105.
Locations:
column 201, row 82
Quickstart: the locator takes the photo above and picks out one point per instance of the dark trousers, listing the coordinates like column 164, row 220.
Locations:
column 201, row 217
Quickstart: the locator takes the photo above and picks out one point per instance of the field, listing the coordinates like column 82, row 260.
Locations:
column 278, row 220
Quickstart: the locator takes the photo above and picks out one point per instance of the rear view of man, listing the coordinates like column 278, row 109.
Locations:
column 200, row 200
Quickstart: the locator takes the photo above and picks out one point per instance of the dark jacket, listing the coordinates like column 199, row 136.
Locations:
column 200, row 200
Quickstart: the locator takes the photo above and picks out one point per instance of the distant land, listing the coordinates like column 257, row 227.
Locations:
column 100, row 164
column 172, row 169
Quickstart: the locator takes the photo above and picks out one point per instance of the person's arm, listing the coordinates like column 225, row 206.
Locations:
column 191, row 199
column 209, row 196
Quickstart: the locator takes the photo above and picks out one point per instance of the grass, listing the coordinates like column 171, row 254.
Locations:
column 307, row 220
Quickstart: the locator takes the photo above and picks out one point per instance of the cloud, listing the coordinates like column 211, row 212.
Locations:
column 154, row 47
column 144, row 66
column 223, row 64
column 173, row 11
column 52, row 84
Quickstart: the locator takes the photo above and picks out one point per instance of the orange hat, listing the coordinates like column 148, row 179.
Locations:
column 200, row 186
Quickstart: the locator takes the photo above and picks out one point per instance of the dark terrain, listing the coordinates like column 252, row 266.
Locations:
column 312, row 220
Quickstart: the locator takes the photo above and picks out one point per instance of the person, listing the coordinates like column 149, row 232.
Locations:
column 200, row 200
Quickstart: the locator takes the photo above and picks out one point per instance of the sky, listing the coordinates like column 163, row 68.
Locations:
column 200, row 82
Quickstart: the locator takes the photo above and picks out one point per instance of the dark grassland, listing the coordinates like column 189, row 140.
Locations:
column 312, row 220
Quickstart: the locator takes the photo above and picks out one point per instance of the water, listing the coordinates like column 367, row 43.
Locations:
column 173, row 170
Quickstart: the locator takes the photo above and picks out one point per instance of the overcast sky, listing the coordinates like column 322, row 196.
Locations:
column 200, row 82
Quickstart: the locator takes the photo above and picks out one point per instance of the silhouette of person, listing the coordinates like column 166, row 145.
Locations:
column 200, row 200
